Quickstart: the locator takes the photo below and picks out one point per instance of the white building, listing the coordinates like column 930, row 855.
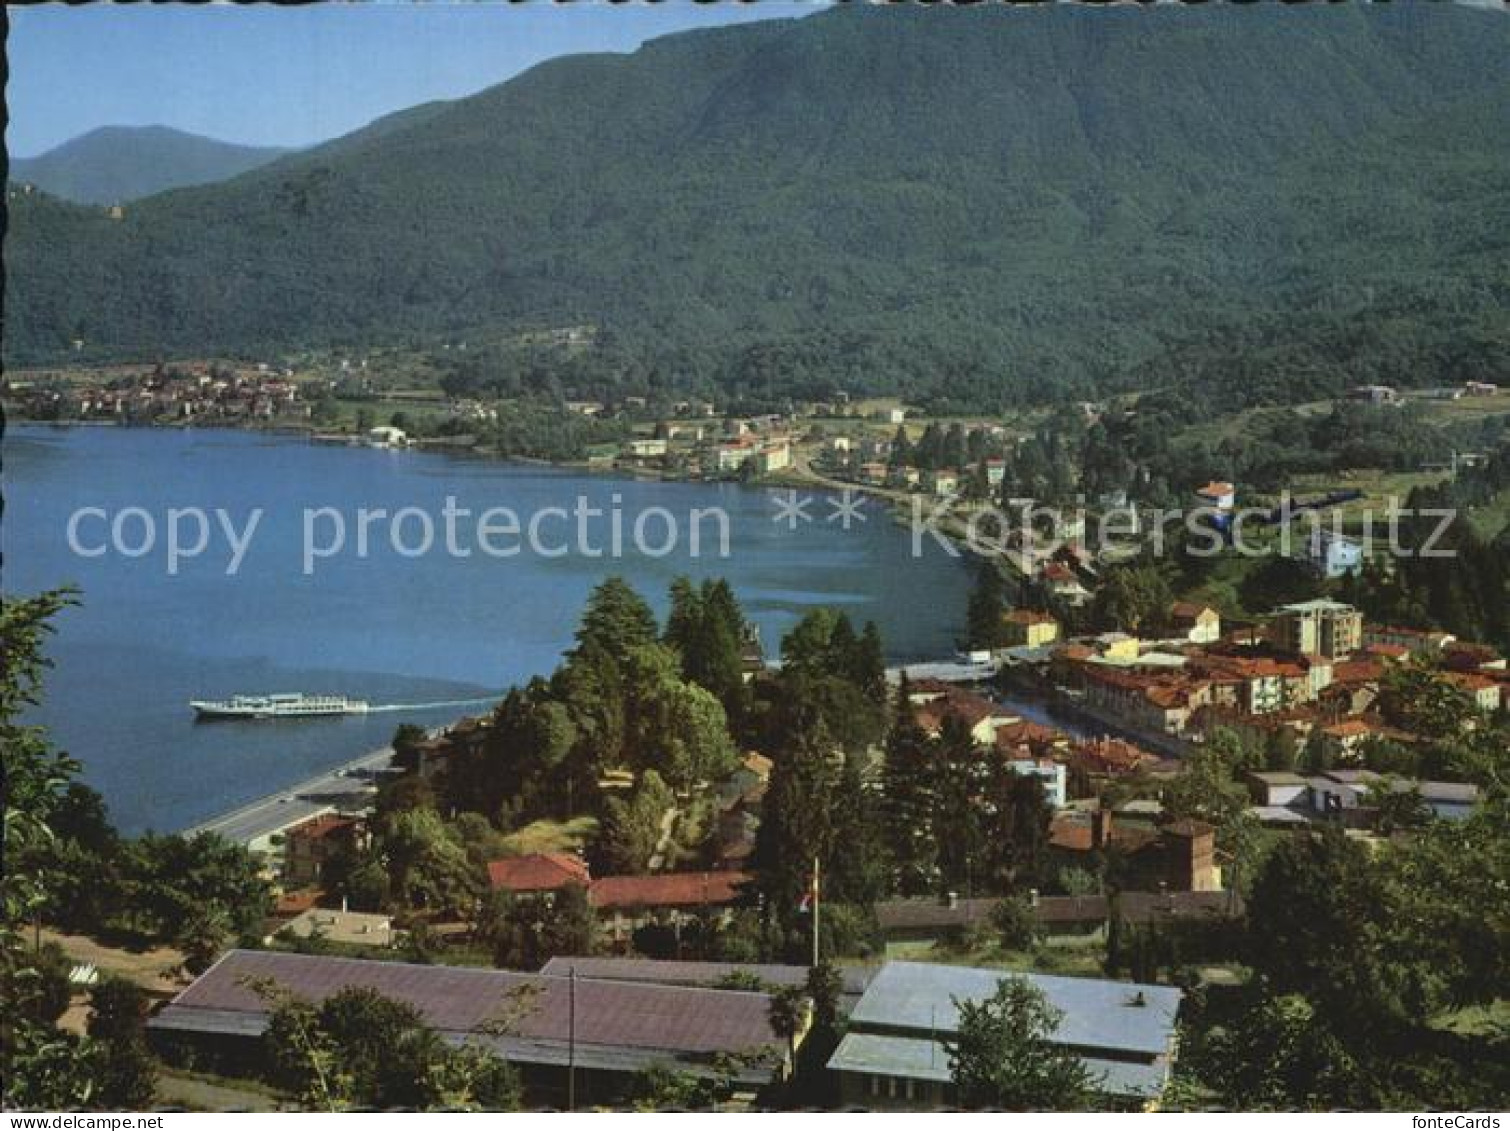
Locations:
column 1333, row 555
column 1051, row 773
column 386, row 436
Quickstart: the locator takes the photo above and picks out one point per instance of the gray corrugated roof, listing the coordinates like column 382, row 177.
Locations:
column 666, row 972
column 1098, row 1014
column 919, row 1058
column 642, row 1019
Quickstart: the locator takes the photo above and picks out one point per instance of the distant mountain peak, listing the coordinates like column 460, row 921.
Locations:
column 115, row 164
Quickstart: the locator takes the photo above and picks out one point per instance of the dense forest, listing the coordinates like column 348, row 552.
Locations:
column 970, row 207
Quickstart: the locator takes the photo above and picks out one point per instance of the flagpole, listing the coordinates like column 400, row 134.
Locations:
column 817, row 897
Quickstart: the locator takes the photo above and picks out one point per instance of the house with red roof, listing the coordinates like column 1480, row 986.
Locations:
column 980, row 715
column 537, row 874
column 1196, row 621
column 627, row 903
column 308, row 846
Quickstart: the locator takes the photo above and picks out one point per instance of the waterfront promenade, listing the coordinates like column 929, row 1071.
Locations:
column 348, row 786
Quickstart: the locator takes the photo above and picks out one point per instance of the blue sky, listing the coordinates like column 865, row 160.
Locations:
column 269, row 75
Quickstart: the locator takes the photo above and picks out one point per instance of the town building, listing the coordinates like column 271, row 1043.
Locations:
column 895, row 1050
column 773, row 457
column 354, row 928
column 1106, row 757
column 1422, row 640
column 1321, row 627
column 386, row 436
column 948, row 919
column 1029, row 628
column 308, row 846
column 1195, row 622
column 1177, row 856
column 648, row 448
column 1349, row 797
column 1161, row 702
column 981, row 717
column 942, row 483
column 1331, row 555
column 1374, row 394
column 1050, row 774
column 671, row 899
column 711, row 975
column 566, row 1034
column 1218, row 493
column 538, row 874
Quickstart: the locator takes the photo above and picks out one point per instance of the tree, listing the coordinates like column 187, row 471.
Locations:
column 617, row 619
column 358, row 1048
column 1415, row 698
column 525, row 933
column 427, row 866
column 988, row 604
column 958, row 826
column 1015, row 819
column 1004, row 1056
column 707, row 629
column 1133, row 597
column 1279, row 1054
column 1316, row 911
column 1015, row 924
column 1207, row 788
column 908, row 801
column 43, row 1067
column 632, row 826
column 1397, row 808
column 788, row 1013
column 796, row 825
column 126, row 1075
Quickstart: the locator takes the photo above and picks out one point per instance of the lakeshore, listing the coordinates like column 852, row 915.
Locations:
column 388, row 629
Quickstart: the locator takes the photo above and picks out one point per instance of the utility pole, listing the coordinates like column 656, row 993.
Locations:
column 571, row 1039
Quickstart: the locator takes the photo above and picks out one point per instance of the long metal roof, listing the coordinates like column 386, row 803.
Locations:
column 1098, row 1015
column 853, row 979
column 919, row 1058
column 616, row 1022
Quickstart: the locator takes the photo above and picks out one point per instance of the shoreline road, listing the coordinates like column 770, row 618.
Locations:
column 348, row 786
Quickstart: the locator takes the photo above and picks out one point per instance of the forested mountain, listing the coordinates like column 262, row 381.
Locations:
column 983, row 203
column 116, row 164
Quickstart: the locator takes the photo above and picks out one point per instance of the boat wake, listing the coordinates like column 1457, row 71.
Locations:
column 433, row 705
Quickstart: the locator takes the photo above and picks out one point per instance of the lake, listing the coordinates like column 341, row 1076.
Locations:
column 393, row 629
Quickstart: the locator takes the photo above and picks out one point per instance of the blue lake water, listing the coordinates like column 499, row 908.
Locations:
column 385, row 627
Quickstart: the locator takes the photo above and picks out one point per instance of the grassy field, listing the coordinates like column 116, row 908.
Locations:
column 552, row 836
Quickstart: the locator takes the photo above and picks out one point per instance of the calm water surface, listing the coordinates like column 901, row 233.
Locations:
column 387, row 628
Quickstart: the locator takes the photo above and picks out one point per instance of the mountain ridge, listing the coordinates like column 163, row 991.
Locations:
column 967, row 190
column 119, row 164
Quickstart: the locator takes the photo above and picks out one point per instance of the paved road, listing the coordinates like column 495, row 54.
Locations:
column 347, row 786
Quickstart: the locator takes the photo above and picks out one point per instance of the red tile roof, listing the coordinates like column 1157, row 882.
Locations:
column 1111, row 756
column 1357, row 671
column 1025, row 732
column 669, row 889
column 969, row 708
column 317, row 828
column 541, row 871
